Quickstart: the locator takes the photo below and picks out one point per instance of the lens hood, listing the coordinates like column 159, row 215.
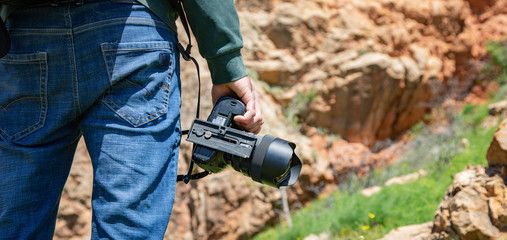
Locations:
column 274, row 162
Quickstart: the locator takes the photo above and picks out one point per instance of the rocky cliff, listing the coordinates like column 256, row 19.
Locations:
column 376, row 66
column 365, row 70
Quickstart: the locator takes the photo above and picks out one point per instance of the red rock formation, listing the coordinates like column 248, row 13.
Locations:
column 377, row 66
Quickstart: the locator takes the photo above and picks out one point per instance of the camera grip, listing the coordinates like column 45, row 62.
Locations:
column 225, row 109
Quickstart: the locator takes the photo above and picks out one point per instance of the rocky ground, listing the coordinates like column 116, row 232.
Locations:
column 366, row 71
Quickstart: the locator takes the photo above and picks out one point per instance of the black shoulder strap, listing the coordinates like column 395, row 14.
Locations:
column 185, row 54
column 184, row 51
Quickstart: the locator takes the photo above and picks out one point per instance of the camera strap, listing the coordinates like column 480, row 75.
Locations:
column 185, row 54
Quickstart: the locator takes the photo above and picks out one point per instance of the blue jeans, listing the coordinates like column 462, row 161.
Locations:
column 108, row 72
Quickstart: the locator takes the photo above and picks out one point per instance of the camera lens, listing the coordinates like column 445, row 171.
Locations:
column 274, row 162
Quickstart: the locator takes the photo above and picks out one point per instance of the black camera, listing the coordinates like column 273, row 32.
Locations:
column 219, row 143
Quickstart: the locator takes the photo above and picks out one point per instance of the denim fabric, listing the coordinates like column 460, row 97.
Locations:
column 110, row 73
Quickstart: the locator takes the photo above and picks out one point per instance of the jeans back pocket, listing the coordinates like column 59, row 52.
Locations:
column 23, row 102
column 140, row 75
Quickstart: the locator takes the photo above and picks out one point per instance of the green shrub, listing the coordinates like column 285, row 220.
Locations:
column 498, row 52
column 298, row 105
column 497, row 68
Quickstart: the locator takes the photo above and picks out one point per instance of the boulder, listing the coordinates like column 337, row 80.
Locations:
column 413, row 232
column 474, row 206
column 497, row 151
column 321, row 236
column 498, row 108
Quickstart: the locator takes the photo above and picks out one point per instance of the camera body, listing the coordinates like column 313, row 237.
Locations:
column 219, row 143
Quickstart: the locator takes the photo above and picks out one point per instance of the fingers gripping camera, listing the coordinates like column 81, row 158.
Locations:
column 219, row 143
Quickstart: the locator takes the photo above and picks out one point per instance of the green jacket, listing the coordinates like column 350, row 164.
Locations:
column 215, row 25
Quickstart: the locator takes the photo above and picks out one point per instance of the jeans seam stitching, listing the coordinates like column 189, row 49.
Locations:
column 148, row 93
column 113, row 77
column 19, row 99
column 130, row 49
column 149, row 22
column 107, row 65
column 72, row 54
column 21, row 61
column 76, row 80
column 108, row 21
column 139, row 119
column 33, row 33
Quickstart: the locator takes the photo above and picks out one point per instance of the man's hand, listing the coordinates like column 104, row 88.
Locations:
column 253, row 119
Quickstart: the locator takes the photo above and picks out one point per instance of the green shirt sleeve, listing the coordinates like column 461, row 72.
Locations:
column 215, row 25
